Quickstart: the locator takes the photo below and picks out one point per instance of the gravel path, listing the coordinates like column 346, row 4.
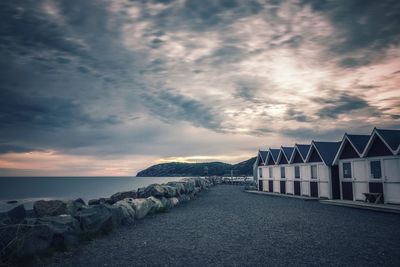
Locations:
column 228, row 227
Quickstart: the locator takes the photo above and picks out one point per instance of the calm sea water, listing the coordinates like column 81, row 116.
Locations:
column 30, row 188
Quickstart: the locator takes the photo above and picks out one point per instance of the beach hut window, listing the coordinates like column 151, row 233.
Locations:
column 297, row 172
column 376, row 170
column 260, row 172
column 283, row 175
column 313, row 171
column 347, row 170
column 270, row 172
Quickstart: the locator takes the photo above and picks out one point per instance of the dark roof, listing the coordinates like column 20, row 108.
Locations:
column 303, row 149
column 327, row 150
column 288, row 152
column 391, row 137
column 263, row 155
column 274, row 153
column 359, row 141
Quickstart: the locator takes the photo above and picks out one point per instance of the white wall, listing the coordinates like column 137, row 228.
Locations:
column 324, row 184
column 277, row 179
column 391, row 174
column 305, row 179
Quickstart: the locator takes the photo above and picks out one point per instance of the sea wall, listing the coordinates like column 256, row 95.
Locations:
column 58, row 225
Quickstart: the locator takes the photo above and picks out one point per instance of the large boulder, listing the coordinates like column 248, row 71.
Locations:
column 73, row 206
column 96, row 219
column 183, row 198
column 157, row 206
column 49, row 208
column 197, row 190
column 14, row 215
column 169, row 191
column 66, row 230
column 154, row 190
column 22, row 240
column 173, row 201
column 142, row 206
column 122, row 195
column 99, row 201
column 127, row 213
column 189, row 184
column 179, row 187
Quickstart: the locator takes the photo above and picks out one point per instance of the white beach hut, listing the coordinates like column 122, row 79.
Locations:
column 353, row 174
column 299, row 168
column 285, row 172
column 324, row 176
column 382, row 154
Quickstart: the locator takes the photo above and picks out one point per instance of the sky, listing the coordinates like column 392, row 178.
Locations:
column 112, row 87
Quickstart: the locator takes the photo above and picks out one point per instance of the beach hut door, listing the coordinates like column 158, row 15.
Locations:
column 391, row 181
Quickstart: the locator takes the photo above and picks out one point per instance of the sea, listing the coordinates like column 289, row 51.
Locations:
column 26, row 190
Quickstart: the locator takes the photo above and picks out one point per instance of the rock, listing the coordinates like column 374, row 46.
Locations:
column 96, row 219
column 73, row 206
column 66, row 230
column 142, row 206
column 21, row 240
column 128, row 213
column 173, row 201
column 94, row 202
column 80, row 201
column 169, row 191
column 49, row 208
column 122, row 195
column 197, row 190
column 16, row 215
column 12, row 202
column 179, row 187
column 189, row 185
column 157, row 206
column 99, row 201
column 154, row 190
column 184, row 198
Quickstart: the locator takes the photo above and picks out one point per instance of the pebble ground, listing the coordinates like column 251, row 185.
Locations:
column 225, row 226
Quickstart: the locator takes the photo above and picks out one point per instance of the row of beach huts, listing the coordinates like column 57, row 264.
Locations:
column 350, row 169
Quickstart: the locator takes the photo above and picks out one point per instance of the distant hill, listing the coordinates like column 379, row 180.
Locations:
column 197, row 169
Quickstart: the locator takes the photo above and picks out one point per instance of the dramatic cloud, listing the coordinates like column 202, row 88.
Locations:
column 109, row 87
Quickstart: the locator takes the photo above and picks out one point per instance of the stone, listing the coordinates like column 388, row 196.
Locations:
column 49, row 208
column 66, row 230
column 197, row 190
column 73, row 206
column 128, row 213
column 173, row 201
column 21, row 240
column 12, row 202
column 189, row 185
column 169, row 191
column 122, row 195
column 16, row 215
column 99, row 201
column 95, row 220
column 179, row 187
column 154, row 190
column 184, row 198
column 142, row 206
column 157, row 206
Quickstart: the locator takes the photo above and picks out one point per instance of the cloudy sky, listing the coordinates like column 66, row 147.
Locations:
column 110, row 87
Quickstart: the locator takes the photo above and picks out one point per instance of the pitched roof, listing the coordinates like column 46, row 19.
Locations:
column 263, row 155
column 391, row 137
column 303, row 149
column 275, row 153
column 288, row 152
column 327, row 151
column 359, row 141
